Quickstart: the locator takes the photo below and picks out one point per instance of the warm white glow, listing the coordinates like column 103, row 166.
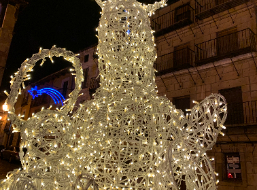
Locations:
column 5, row 107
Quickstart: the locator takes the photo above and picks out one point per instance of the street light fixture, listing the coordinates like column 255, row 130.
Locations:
column 5, row 107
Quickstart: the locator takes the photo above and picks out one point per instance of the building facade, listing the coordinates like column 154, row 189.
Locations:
column 8, row 16
column 209, row 46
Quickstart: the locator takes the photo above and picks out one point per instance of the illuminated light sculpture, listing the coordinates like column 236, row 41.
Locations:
column 54, row 94
column 127, row 137
column 48, row 136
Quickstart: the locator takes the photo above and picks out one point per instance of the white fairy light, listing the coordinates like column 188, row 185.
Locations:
column 126, row 137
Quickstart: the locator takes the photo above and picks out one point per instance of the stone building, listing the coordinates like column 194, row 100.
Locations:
column 209, row 46
column 8, row 16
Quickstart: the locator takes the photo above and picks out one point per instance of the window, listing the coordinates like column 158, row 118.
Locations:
column 182, row 103
column 84, row 85
column 64, row 88
column 233, row 97
column 86, row 58
column 218, row 2
column 182, row 13
column 182, row 56
column 233, row 166
column 227, row 41
column 25, row 99
column 73, row 82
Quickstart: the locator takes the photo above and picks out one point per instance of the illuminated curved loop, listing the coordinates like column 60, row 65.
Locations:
column 206, row 122
column 187, row 157
column 56, row 96
column 28, row 65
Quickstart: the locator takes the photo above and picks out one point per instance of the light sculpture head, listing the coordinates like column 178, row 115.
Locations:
column 126, row 42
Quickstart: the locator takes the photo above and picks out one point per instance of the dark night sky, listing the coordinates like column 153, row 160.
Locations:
column 44, row 23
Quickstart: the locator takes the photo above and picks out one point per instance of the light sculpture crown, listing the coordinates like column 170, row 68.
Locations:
column 127, row 137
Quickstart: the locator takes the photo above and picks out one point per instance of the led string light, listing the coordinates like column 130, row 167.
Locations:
column 127, row 137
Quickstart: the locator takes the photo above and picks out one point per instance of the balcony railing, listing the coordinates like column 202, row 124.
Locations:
column 180, row 59
column 243, row 113
column 175, row 19
column 230, row 45
column 207, row 8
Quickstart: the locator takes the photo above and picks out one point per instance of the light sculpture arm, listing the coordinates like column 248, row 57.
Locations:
column 188, row 153
column 206, row 122
column 28, row 65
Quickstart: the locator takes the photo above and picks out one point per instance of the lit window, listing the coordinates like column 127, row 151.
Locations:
column 233, row 166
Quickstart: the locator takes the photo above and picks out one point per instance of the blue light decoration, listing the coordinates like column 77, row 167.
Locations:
column 128, row 31
column 54, row 94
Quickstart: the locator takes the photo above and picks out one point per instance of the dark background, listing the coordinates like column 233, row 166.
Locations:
column 69, row 24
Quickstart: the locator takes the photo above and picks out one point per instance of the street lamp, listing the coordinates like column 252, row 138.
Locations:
column 5, row 107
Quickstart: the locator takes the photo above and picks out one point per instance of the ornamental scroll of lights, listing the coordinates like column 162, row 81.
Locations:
column 127, row 137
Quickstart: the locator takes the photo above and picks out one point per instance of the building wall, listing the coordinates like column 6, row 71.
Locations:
column 199, row 82
column 6, row 34
column 3, row 123
column 90, row 68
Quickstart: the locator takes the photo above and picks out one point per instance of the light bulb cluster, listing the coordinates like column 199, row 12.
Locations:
column 127, row 137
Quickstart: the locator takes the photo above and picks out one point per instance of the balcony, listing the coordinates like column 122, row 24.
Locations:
column 207, row 8
column 173, row 20
column 243, row 113
column 227, row 46
column 180, row 59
